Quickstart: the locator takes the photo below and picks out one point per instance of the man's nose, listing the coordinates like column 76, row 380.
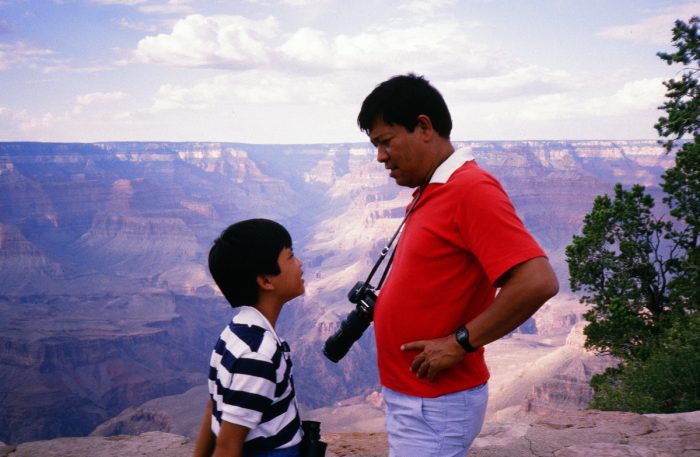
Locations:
column 382, row 155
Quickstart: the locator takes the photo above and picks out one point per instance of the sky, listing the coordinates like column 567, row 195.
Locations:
column 296, row 71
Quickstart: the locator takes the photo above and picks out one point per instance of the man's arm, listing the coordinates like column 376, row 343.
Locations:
column 524, row 289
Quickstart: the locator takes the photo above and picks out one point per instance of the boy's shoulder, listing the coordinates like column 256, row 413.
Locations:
column 251, row 328
column 251, row 335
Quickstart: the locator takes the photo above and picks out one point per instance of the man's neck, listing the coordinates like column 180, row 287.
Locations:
column 443, row 149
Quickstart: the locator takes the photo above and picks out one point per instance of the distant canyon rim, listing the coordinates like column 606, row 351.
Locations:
column 106, row 302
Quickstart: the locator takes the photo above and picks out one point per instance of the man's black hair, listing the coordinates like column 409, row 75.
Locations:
column 400, row 100
column 244, row 251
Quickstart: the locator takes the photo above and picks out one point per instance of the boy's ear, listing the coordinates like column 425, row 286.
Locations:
column 264, row 282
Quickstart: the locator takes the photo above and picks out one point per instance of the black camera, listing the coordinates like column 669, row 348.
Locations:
column 355, row 324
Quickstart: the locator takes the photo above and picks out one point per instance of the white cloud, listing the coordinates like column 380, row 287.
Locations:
column 94, row 98
column 525, row 81
column 308, row 46
column 21, row 121
column 637, row 95
column 653, row 30
column 21, row 55
column 65, row 67
column 171, row 97
column 170, row 7
column 426, row 6
column 123, row 22
column 152, row 7
column 634, row 96
column 248, row 88
column 119, row 2
column 302, row 2
column 214, row 42
column 438, row 48
column 99, row 97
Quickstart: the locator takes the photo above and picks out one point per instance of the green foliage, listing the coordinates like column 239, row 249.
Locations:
column 682, row 187
column 640, row 274
column 618, row 263
column 667, row 382
column 682, row 181
column 683, row 101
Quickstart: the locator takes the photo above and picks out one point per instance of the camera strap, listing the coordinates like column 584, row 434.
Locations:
column 385, row 249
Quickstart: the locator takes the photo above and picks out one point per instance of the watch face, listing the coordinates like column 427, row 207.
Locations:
column 463, row 339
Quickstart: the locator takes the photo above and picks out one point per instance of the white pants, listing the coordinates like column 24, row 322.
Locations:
column 434, row 427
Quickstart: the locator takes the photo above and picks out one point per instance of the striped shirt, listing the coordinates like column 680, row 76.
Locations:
column 250, row 383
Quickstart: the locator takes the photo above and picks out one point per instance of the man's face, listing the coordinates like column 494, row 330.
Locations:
column 402, row 152
column 289, row 283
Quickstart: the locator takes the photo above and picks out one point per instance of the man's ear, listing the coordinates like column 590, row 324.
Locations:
column 426, row 127
column 264, row 282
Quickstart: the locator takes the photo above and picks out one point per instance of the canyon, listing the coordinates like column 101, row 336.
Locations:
column 106, row 303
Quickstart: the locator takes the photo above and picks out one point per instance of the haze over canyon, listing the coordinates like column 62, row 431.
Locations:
column 106, row 302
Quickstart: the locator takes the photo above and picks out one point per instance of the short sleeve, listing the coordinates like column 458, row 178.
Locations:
column 491, row 229
column 250, row 392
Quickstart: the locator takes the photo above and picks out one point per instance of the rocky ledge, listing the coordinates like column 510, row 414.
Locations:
column 556, row 434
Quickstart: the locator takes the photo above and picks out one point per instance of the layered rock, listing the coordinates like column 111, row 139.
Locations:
column 23, row 263
column 70, row 364
column 94, row 237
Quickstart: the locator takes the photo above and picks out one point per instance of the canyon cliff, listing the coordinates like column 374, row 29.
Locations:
column 106, row 302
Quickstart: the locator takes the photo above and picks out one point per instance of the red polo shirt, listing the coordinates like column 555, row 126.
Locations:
column 460, row 238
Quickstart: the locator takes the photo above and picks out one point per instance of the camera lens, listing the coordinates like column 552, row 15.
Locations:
column 351, row 329
column 354, row 325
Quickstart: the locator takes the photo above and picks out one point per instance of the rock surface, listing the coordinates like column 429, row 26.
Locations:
column 570, row 434
column 592, row 433
column 147, row 444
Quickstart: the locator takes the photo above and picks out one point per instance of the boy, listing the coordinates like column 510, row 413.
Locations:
column 252, row 409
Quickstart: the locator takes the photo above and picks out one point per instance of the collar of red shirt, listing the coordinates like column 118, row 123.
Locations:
column 450, row 165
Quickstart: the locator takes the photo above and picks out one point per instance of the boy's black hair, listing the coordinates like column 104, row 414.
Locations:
column 244, row 251
column 400, row 100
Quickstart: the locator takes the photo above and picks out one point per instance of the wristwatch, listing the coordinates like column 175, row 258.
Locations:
column 462, row 335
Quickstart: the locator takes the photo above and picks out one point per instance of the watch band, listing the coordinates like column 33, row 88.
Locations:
column 462, row 336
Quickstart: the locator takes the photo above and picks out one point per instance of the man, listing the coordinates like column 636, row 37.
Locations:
column 437, row 310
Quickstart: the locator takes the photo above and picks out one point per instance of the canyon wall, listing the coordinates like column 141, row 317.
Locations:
column 105, row 300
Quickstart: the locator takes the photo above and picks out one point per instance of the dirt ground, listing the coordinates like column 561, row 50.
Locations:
column 356, row 444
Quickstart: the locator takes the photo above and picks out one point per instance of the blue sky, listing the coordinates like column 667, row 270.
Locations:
column 296, row 71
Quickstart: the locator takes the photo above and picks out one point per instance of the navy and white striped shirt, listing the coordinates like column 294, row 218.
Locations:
column 250, row 383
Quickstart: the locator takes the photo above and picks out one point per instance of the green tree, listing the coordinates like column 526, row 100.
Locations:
column 681, row 183
column 618, row 263
column 640, row 273
column 667, row 381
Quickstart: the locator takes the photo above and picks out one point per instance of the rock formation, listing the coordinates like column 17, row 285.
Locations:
column 569, row 434
column 105, row 297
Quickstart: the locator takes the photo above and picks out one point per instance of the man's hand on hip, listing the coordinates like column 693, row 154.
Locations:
column 434, row 356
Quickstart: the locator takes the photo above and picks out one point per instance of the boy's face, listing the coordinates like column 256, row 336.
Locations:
column 289, row 283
